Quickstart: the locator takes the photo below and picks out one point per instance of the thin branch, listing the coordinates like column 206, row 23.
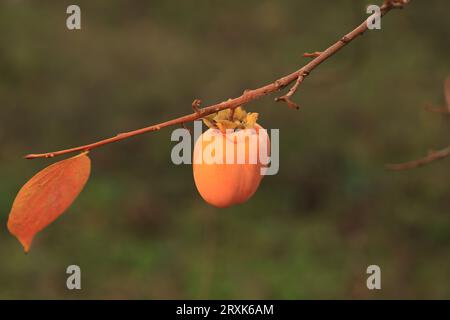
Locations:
column 447, row 92
column 287, row 97
column 248, row 95
column 433, row 109
column 196, row 105
column 431, row 157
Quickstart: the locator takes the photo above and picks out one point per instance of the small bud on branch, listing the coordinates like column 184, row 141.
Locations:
column 312, row 54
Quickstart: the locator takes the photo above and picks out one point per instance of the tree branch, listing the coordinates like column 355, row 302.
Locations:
column 432, row 156
column 248, row 95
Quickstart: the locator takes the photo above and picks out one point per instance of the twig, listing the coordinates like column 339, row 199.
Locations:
column 432, row 156
column 246, row 97
column 433, row 109
column 196, row 105
column 312, row 54
column 287, row 97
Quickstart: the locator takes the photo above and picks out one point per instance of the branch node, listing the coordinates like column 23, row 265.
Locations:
column 287, row 97
column 279, row 85
column 345, row 39
column 312, row 54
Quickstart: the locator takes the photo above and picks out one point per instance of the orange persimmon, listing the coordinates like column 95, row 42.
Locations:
column 227, row 162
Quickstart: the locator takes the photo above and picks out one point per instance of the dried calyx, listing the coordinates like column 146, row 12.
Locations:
column 233, row 119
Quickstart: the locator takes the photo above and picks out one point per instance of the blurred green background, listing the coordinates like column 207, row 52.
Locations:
column 140, row 230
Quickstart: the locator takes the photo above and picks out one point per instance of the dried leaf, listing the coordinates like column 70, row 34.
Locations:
column 210, row 117
column 239, row 114
column 46, row 196
column 209, row 123
column 251, row 119
column 223, row 125
column 223, row 115
column 234, row 119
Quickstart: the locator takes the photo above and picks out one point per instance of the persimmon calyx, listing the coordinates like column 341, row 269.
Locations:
column 233, row 119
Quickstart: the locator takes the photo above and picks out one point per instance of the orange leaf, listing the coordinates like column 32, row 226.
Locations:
column 46, row 196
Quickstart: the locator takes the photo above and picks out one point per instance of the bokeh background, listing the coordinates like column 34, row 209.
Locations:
column 140, row 230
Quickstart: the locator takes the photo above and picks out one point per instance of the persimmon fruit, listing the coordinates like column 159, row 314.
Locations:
column 226, row 183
